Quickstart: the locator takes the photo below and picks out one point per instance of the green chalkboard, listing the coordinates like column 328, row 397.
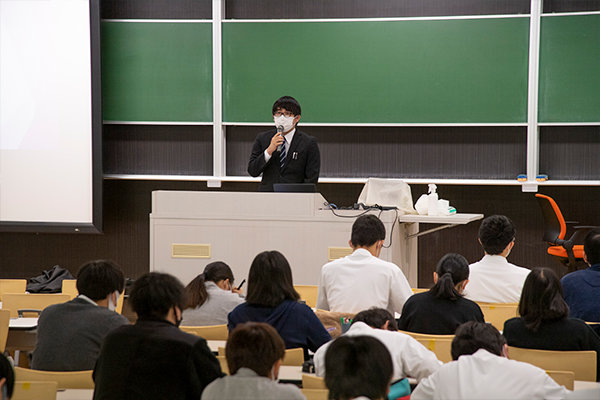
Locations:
column 436, row 71
column 153, row 71
column 570, row 69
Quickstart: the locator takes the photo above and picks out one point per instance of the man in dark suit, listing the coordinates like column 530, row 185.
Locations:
column 154, row 359
column 296, row 161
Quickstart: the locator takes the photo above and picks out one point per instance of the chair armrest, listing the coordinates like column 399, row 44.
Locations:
column 20, row 312
column 580, row 233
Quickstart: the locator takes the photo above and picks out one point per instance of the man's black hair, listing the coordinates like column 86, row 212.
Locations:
column 289, row 104
column 366, row 230
column 154, row 294
column 358, row 366
column 99, row 278
column 472, row 336
column 591, row 246
column 376, row 318
column 495, row 233
column 6, row 371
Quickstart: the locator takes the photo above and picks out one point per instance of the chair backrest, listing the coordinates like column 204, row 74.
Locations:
column 65, row 380
column 440, row 345
column 209, row 332
column 419, row 290
column 293, row 357
column 497, row 313
column 69, row 286
column 308, row 293
column 12, row 286
column 36, row 301
column 315, row 394
column 4, row 326
column 554, row 223
column 581, row 363
column 313, row 382
column 563, row 378
column 223, row 362
column 34, row 391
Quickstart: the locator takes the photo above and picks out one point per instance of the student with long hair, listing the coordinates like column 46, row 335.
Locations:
column 443, row 308
column 544, row 322
column 211, row 296
column 271, row 298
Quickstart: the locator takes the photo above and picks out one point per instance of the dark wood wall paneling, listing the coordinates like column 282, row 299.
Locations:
column 160, row 149
column 274, row 9
column 570, row 152
column 556, row 6
column 156, row 9
column 436, row 152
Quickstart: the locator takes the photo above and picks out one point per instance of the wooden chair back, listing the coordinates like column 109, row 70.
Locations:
column 293, row 357
column 223, row 362
column 4, row 326
column 25, row 301
column 419, row 290
column 34, row 391
column 209, row 332
column 563, row 378
column 438, row 344
column 69, row 286
column 315, row 394
column 12, row 286
column 308, row 293
column 581, row 363
column 497, row 313
column 65, row 380
column 310, row 381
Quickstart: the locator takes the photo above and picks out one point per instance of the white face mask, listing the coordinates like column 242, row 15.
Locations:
column 286, row 122
column 113, row 306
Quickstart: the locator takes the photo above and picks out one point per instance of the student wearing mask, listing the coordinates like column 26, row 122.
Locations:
column 285, row 154
column 211, row 296
column 254, row 353
column 154, row 359
column 443, row 308
column 69, row 335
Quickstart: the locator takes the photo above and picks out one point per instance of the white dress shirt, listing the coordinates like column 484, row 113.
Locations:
column 410, row 358
column 361, row 281
column 487, row 376
column 495, row 280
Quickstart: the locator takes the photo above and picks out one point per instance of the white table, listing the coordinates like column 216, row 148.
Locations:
column 23, row 323
column 75, row 394
column 214, row 345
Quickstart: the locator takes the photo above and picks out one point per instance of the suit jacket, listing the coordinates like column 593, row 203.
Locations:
column 302, row 165
column 153, row 360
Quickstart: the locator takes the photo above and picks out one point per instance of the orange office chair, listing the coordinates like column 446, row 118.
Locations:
column 555, row 230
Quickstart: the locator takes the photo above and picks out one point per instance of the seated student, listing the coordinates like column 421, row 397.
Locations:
column 7, row 378
column 211, row 296
column 582, row 288
column 443, row 308
column 154, row 359
column 410, row 358
column 362, row 280
column 254, row 353
column 481, row 370
column 69, row 335
column 358, row 367
column 493, row 279
column 272, row 299
column 544, row 322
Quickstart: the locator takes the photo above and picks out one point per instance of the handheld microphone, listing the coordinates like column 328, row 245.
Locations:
column 279, row 130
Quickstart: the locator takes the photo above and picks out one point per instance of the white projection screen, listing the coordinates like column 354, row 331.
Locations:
column 50, row 116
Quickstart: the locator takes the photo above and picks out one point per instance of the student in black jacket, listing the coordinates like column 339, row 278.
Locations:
column 443, row 308
column 154, row 359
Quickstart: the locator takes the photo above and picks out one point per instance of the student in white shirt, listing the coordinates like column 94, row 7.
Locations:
column 494, row 279
column 362, row 280
column 409, row 357
column 481, row 370
column 358, row 367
